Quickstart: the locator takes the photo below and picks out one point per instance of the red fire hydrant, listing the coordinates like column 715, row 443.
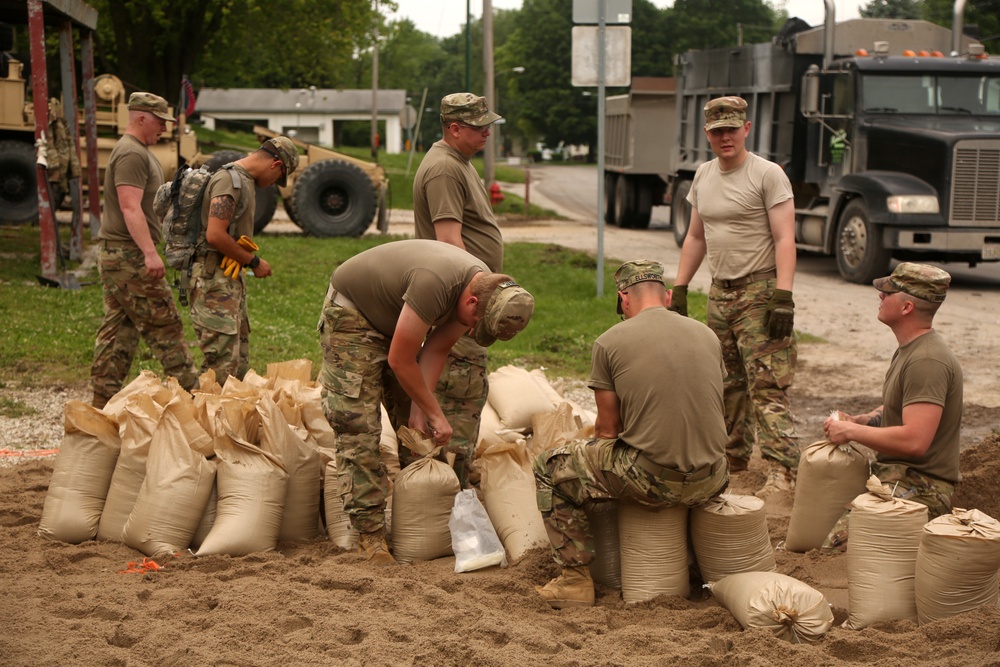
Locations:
column 495, row 195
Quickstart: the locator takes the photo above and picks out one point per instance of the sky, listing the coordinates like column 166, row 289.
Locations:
column 444, row 18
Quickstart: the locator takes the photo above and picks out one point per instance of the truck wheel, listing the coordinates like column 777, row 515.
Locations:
column 18, row 182
column 624, row 202
column 609, row 197
column 290, row 209
column 643, row 204
column 680, row 212
column 383, row 209
column 860, row 255
column 266, row 199
column 335, row 198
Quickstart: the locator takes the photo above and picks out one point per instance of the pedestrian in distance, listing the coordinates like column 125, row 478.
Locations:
column 137, row 300
column 743, row 220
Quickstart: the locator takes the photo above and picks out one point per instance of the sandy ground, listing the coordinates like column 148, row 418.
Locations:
column 314, row 604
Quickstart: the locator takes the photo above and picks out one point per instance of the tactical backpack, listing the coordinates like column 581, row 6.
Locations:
column 178, row 205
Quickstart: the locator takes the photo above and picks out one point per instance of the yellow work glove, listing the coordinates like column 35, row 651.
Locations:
column 230, row 267
column 248, row 244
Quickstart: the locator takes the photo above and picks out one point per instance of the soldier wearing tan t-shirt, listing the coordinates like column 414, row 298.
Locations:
column 137, row 299
column 379, row 349
column 450, row 204
column 660, row 428
column 743, row 220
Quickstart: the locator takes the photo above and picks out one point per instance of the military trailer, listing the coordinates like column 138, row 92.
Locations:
column 889, row 131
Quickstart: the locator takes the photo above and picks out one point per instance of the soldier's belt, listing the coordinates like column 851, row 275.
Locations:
column 745, row 280
column 343, row 301
column 118, row 244
column 671, row 475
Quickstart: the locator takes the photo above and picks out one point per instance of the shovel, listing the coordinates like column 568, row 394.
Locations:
column 64, row 279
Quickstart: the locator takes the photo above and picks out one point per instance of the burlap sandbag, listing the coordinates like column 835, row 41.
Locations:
column 516, row 396
column 138, row 423
column 606, row 568
column 388, row 447
column 583, row 415
column 830, row 476
column 147, row 382
column 422, row 498
column 338, row 523
column 508, row 487
column 176, row 488
column 790, row 609
column 958, row 564
column 883, row 539
column 654, row 554
column 252, row 484
column 81, row 475
column 729, row 535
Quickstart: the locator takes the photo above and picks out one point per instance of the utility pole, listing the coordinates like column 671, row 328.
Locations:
column 374, row 131
column 468, row 46
column 490, row 154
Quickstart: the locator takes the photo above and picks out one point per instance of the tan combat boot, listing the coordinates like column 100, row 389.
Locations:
column 779, row 478
column 573, row 588
column 372, row 547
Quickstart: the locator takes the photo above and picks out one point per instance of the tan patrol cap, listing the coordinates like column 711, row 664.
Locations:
column 728, row 111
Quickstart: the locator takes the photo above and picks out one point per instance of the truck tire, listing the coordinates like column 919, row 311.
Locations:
column 266, row 199
column 335, row 198
column 680, row 212
column 624, row 202
column 290, row 209
column 383, row 210
column 861, row 258
column 643, row 203
column 18, row 182
column 609, row 197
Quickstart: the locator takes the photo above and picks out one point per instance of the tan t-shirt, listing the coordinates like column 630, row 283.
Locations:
column 925, row 370
column 220, row 185
column 667, row 372
column 733, row 206
column 447, row 186
column 428, row 275
column 131, row 163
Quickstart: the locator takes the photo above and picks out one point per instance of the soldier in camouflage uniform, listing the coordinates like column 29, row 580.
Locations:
column 137, row 299
column 660, row 429
column 450, row 204
column 915, row 432
column 379, row 347
column 743, row 219
column 218, row 297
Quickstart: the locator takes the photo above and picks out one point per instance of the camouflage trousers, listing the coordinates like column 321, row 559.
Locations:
column 569, row 477
column 461, row 392
column 758, row 372
column 136, row 306
column 221, row 321
column 908, row 484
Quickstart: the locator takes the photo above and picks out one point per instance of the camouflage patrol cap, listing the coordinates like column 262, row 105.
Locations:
column 282, row 148
column 508, row 311
column 922, row 281
column 467, row 108
column 728, row 111
column 638, row 271
column 150, row 103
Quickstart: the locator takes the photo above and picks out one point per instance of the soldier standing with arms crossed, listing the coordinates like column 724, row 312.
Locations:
column 743, row 219
column 450, row 204
column 137, row 299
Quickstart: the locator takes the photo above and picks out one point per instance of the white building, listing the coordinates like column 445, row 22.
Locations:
column 309, row 114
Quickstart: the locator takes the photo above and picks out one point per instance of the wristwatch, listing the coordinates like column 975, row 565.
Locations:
column 254, row 263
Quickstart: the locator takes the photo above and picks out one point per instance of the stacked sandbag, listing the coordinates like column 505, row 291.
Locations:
column 654, row 555
column 883, row 540
column 388, row 447
column 176, row 488
column 508, row 487
column 147, row 382
column 81, row 476
column 729, row 536
column 790, row 609
column 958, row 564
column 517, row 396
column 338, row 522
column 584, row 416
column 422, row 499
column 830, row 476
column 606, row 568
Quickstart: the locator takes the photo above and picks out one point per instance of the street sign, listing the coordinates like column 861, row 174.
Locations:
column 615, row 11
column 408, row 116
column 617, row 56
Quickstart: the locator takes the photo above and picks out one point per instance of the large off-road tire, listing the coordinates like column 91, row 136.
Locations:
column 383, row 210
column 610, row 179
column 643, row 203
column 266, row 199
column 287, row 202
column 18, row 182
column 335, row 198
column 680, row 213
column 861, row 257
column 624, row 202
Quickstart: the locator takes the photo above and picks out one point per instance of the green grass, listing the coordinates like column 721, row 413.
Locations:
column 49, row 333
column 13, row 408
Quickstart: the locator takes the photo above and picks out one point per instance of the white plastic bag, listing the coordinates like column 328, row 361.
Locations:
column 473, row 538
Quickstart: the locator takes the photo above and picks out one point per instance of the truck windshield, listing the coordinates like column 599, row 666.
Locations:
column 928, row 94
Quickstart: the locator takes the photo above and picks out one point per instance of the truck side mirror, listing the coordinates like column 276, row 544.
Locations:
column 810, row 92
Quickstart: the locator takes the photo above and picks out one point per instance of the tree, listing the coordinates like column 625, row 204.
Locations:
column 891, row 9
column 982, row 19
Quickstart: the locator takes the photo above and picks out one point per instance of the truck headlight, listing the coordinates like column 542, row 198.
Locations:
column 913, row 204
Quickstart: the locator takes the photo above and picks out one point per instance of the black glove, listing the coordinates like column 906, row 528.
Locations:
column 780, row 314
column 679, row 303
